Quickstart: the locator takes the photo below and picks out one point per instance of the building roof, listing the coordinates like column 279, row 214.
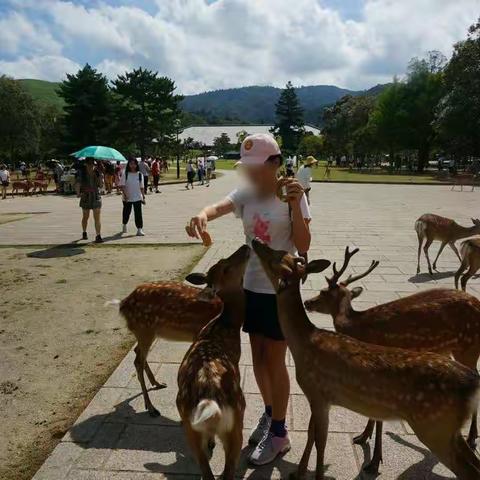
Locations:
column 207, row 133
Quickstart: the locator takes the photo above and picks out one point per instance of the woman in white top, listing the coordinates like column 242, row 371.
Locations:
column 4, row 180
column 283, row 226
column 132, row 185
column 304, row 175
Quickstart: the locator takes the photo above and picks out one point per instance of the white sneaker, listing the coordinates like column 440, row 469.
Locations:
column 269, row 449
column 140, row 233
column 261, row 430
column 124, row 229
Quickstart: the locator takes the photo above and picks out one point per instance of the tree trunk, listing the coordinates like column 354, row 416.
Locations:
column 423, row 156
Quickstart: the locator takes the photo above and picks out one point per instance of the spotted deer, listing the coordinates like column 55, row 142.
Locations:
column 432, row 227
column 470, row 254
column 440, row 320
column 433, row 393
column 170, row 310
column 24, row 185
column 210, row 400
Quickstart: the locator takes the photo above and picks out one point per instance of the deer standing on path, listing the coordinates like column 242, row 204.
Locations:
column 210, row 400
column 434, row 394
column 434, row 227
column 440, row 320
column 470, row 253
column 169, row 310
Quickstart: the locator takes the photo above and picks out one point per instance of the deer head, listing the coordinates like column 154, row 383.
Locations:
column 330, row 299
column 476, row 225
column 225, row 276
column 284, row 269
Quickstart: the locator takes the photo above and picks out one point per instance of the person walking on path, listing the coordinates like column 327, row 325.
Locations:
column 145, row 171
column 57, row 175
column 89, row 184
column 132, row 184
column 283, row 226
column 109, row 176
column 156, row 174
column 304, row 175
column 190, row 174
column 118, row 176
column 4, row 180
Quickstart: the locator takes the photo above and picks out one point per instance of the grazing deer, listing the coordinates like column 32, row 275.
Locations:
column 210, row 400
column 440, row 320
column 41, row 185
column 464, row 179
column 470, row 252
column 434, row 227
column 24, row 185
column 433, row 393
column 169, row 310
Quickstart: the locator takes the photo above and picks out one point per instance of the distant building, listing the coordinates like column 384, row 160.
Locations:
column 205, row 134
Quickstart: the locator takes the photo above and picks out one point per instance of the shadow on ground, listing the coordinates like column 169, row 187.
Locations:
column 58, row 251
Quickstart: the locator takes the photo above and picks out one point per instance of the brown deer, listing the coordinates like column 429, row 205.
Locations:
column 440, row 320
column 169, row 310
column 470, row 254
column 24, row 185
column 433, row 393
column 434, row 227
column 210, row 400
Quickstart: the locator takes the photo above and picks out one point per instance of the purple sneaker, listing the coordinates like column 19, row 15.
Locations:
column 269, row 449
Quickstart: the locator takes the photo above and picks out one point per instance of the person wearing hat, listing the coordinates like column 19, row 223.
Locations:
column 304, row 175
column 284, row 225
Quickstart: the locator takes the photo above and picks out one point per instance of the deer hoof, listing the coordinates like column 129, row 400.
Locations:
column 153, row 412
column 159, row 385
column 372, row 468
column 472, row 443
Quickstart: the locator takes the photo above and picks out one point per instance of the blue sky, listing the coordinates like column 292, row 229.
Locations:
column 210, row 44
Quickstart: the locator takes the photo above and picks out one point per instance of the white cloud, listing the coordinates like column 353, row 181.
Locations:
column 47, row 67
column 238, row 42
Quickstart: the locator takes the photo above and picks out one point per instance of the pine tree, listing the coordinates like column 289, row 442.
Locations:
column 289, row 123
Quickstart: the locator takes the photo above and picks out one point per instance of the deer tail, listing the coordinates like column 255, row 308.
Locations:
column 208, row 417
column 420, row 228
column 113, row 301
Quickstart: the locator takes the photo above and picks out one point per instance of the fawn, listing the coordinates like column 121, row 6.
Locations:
column 440, row 320
column 470, row 254
column 433, row 393
column 210, row 400
column 169, row 310
column 434, row 227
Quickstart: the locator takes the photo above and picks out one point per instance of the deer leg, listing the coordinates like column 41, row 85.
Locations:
column 366, row 435
column 196, row 443
column 420, row 242
column 303, row 465
column 425, row 249
column 455, row 250
column 320, row 418
column 440, row 250
column 466, row 277
column 377, row 458
column 232, row 444
column 462, row 268
column 151, row 378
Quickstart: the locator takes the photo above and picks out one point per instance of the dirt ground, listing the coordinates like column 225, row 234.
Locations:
column 58, row 340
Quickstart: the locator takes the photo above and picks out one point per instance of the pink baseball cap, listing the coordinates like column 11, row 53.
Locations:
column 257, row 148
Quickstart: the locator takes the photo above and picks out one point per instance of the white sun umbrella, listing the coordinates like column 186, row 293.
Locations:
column 212, row 157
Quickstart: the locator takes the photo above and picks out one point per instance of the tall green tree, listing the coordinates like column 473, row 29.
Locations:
column 221, row 144
column 146, row 107
column 19, row 126
column 87, row 108
column 458, row 119
column 289, row 122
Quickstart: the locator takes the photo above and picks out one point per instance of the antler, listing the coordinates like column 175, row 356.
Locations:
column 354, row 278
column 338, row 273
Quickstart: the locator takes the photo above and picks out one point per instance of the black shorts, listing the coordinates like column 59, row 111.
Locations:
column 261, row 316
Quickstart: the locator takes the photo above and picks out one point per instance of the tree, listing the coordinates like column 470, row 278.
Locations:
column 458, row 121
column 311, row 144
column 51, row 131
column 87, row 110
column 289, row 123
column 146, row 107
column 19, row 128
column 222, row 144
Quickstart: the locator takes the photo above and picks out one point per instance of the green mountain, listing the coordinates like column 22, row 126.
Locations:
column 43, row 91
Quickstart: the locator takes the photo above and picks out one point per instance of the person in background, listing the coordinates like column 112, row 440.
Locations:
column 109, row 176
column 23, row 169
column 144, row 169
column 4, row 180
column 190, row 174
column 57, row 175
column 156, row 173
column 133, row 191
column 283, row 226
column 290, row 172
column 210, row 169
column 89, row 184
column 304, row 175
column 40, row 174
column 118, row 176
column 201, row 170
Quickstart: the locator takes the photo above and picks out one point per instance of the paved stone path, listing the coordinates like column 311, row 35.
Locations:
column 115, row 439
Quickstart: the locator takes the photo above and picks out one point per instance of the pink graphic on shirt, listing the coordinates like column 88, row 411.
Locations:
column 260, row 229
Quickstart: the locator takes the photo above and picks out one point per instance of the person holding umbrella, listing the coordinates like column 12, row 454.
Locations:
column 89, row 184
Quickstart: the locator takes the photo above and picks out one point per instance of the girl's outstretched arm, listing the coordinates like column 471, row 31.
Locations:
column 198, row 223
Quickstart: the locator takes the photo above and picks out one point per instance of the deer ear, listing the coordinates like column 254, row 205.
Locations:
column 196, row 278
column 207, row 294
column 356, row 292
column 317, row 266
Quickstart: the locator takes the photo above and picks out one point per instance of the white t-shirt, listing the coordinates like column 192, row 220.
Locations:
column 4, row 176
column 270, row 221
column 304, row 176
column 133, row 184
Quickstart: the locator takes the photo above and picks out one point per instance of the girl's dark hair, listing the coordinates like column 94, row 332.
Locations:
column 275, row 158
column 132, row 159
column 90, row 160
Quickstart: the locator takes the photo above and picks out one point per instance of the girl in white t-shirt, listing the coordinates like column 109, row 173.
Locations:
column 132, row 185
column 283, row 226
column 4, row 180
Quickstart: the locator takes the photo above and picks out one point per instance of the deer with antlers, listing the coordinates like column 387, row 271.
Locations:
column 470, row 254
column 440, row 320
column 432, row 227
column 433, row 393
column 210, row 400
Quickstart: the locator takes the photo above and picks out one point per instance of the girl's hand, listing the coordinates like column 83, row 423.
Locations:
column 197, row 225
column 294, row 190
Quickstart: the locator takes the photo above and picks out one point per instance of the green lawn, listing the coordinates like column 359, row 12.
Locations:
column 343, row 175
